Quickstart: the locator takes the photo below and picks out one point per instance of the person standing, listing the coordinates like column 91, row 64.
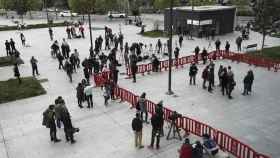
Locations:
column 80, row 94
column 192, row 73
column 251, row 80
column 156, row 128
column 88, row 93
column 143, row 107
column 13, row 45
column 224, row 80
column 86, row 74
column 218, row 44
column 49, row 117
column 8, row 48
column 68, row 31
column 68, row 127
column 133, row 65
column 55, row 48
column 137, row 126
column 17, row 73
column 159, row 46
column 196, row 52
column 210, row 75
column 82, row 29
column 220, row 71
column 176, row 54
column 238, row 43
column 204, row 56
column 181, row 40
column 227, row 47
column 51, row 33
column 107, row 92
column 34, row 65
column 22, row 38
column 230, row 82
column 204, row 77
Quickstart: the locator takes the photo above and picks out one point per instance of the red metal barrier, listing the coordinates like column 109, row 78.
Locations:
column 225, row 141
column 100, row 78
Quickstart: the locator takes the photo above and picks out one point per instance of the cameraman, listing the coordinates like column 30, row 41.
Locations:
column 156, row 127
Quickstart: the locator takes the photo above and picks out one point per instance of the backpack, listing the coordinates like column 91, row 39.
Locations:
column 46, row 119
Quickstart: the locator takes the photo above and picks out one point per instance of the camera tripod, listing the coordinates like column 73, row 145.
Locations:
column 175, row 130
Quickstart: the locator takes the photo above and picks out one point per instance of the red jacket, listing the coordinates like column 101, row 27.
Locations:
column 186, row 151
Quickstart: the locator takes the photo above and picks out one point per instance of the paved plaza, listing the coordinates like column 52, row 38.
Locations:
column 106, row 131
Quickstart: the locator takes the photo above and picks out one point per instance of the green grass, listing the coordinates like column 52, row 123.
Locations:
column 277, row 35
column 268, row 53
column 155, row 34
column 6, row 61
column 11, row 90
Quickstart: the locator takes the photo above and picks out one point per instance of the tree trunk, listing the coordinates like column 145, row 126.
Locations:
column 263, row 40
column 30, row 15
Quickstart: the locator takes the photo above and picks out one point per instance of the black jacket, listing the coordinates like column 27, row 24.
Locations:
column 137, row 124
column 156, row 122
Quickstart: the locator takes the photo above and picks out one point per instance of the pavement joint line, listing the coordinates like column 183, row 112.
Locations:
column 4, row 141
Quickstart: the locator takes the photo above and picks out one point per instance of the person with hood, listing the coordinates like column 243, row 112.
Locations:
column 143, row 107
column 186, row 149
column 137, row 126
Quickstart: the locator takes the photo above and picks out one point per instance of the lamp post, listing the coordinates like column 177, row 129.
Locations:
column 170, row 92
column 90, row 32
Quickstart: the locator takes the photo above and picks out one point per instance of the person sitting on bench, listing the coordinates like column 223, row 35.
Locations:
column 210, row 145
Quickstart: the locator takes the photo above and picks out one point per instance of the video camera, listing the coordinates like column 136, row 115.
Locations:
column 175, row 116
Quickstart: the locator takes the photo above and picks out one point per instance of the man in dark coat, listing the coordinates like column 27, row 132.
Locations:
column 230, row 82
column 224, row 80
column 227, row 46
column 34, row 66
column 156, row 127
column 86, row 74
column 133, row 65
column 192, row 73
column 8, row 48
column 238, row 43
column 181, row 41
column 196, row 52
column 69, row 69
column 51, row 33
column 137, row 126
column 12, row 44
column 60, row 59
column 68, row 127
column 155, row 63
column 218, row 44
column 204, row 77
column 204, row 55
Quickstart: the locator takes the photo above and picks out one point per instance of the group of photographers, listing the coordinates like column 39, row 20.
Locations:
column 187, row 150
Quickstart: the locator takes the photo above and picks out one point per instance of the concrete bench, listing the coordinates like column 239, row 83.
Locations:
column 251, row 46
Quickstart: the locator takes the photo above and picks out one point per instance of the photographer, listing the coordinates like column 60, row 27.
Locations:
column 143, row 107
column 156, row 127
column 159, row 111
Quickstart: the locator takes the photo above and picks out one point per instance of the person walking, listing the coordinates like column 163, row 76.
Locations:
column 82, row 31
column 251, row 80
column 68, row 31
column 8, row 48
column 143, row 107
column 224, row 81
column 220, row 71
column 86, row 74
column 17, row 73
column 181, row 40
column 192, row 73
column 88, row 92
column 107, row 92
column 68, row 127
column 69, row 70
column 49, row 122
column 22, row 38
column 55, row 49
column 159, row 46
column 133, row 65
column 51, row 33
column 34, row 66
column 210, row 75
column 137, row 126
column 60, row 59
column 80, row 94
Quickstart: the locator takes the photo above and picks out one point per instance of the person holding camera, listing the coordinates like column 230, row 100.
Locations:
column 137, row 126
column 156, row 129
